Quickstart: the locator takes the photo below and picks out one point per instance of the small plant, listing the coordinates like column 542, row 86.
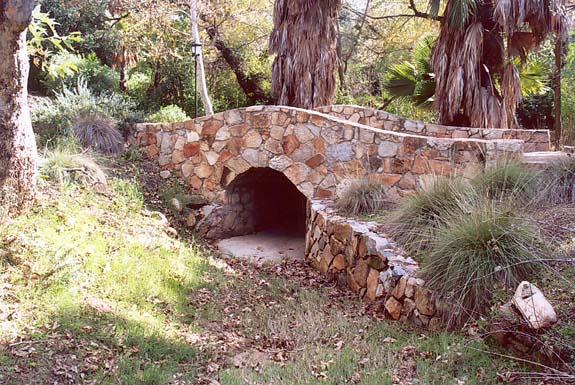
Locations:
column 133, row 154
column 416, row 220
column 507, row 180
column 472, row 255
column 363, row 197
column 558, row 182
column 169, row 114
column 64, row 167
column 98, row 132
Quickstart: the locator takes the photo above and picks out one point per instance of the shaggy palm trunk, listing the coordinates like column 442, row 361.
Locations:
column 17, row 143
column 200, row 72
column 305, row 43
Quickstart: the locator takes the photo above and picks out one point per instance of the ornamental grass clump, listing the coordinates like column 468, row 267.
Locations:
column 63, row 166
column 473, row 255
column 99, row 133
column 363, row 197
column 558, row 182
column 507, row 180
column 418, row 217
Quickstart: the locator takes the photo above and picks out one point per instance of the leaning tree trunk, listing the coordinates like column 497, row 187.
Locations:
column 304, row 40
column 17, row 143
column 201, row 73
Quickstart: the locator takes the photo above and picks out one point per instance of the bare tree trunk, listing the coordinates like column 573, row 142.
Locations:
column 557, row 90
column 17, row 143
column 304, row 40
column 201, row 73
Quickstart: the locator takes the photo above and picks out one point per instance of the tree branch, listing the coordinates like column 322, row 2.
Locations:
column 412, row 6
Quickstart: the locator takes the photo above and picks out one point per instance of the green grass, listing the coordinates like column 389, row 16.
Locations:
column 474, row 255
column 415, row 221
column 84, row 246
column 363, row 197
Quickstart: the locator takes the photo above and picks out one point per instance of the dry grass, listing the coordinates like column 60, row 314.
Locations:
column 99, row 133
column 363, row 197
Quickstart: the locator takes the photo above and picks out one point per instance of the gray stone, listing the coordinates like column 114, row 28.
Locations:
column 303, row 134
column 342, row 152
column 165, row 174
column 280, row 163
column 387, row 149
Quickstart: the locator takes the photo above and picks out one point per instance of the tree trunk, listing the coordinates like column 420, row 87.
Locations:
column 249, row 84
column 304, row 40
column 201, row 73
column 557, row 90
column 17, row 143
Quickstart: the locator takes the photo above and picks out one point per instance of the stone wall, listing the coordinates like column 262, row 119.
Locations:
column 318, row 153
column 359, row 257
column 535, row 140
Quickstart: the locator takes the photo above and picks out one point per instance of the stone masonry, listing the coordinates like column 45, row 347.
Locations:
column 535, row 140
column 360, row 258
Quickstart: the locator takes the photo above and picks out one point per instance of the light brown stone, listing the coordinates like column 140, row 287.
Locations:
column 195, row 182
column 203, row 171
column 211, row 127
column 399, row 289
column 393, row 308
column 239, row 130
column 191, row 149
column 338, row 263
column 297, row 173
column 372, row 283
column 360, row 273
column 424, row 301
column 252, row 139
column 315, row 161
column 290, row 144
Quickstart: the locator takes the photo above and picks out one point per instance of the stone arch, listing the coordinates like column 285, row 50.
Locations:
column 263, row 199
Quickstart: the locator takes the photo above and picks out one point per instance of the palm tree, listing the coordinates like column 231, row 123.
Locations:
column 414, row 80
column 477, row 52
column 304, row 40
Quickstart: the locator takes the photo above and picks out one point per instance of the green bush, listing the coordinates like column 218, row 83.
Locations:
column 55, row 117
column 65, row 69
column 98, row 132
column 418, row 217
column 472, row 255
column 363, row 197
column 507, row 180
column 168, row 114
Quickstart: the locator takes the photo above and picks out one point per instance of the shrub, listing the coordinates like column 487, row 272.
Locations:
column 507, row 180
column 417, row 218
column 62, row 166
column 168, row 114
column 471, row 254
column 98, row 132
column 558, row 182
column 98, row 77
column 55, row 117
column 363, row 197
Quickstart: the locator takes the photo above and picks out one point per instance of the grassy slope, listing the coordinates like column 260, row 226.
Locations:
column 94, row 291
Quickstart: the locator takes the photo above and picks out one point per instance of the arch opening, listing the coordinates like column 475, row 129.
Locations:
column 266, row 200
column 267, row 214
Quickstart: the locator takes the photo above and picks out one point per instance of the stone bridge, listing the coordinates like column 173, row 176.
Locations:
column 268, row 167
